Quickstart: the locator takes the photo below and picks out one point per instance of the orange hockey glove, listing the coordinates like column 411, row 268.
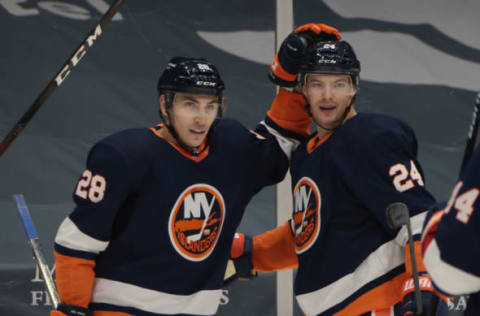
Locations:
column 284, row 68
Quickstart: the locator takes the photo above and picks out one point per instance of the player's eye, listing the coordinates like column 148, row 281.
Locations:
column 316, row 85
column 212, row 107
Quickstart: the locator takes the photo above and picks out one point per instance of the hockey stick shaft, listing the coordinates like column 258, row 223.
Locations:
column 60, row 77
column 472, row 133
column 34, row 242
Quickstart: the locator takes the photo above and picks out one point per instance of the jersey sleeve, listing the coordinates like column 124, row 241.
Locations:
column 288, row 112
column 287, row 121
column 274, row 250
column 275, row 138
column 382, row 170
column 451, row 237
column 86, row 232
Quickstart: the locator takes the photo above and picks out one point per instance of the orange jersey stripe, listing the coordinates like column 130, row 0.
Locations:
column 418, row 256
column 274, row 250
column 316, row 141
column 288, row 111
column 384, row 312
column 382, row 297
column 202, row 150
column 74, row 278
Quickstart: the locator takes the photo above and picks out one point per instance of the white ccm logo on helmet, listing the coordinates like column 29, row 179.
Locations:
column 328, row 61
column 205, row 83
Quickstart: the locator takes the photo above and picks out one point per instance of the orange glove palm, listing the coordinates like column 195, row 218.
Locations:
column 318, row 32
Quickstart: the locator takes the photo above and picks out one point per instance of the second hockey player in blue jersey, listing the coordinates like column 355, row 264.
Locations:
column 350, row 262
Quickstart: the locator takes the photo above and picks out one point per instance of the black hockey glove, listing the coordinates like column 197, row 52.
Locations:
column 241, row 254
column 284, row 68
column 71, row 310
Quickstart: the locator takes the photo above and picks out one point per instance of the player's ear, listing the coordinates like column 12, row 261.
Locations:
column 304, row 90
column 162, row 105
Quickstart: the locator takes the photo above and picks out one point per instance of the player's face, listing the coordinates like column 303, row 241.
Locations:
column 328, row 96
column 192, row 115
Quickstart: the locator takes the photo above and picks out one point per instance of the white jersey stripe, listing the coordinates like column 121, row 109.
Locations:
column 448, row 278
column 384, row 259
column 287, row 144
column 127, row 295
column 69, row 236
column 417, row 225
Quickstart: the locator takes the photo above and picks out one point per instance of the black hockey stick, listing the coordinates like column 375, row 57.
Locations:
column 34, row 242
column 472, row 133
column 65, row 70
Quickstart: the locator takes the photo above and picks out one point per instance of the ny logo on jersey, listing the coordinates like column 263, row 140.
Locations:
column 306, row 214
column 196, row 221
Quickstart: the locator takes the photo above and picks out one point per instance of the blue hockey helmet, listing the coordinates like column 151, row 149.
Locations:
column 191, row 75
column 330, row 58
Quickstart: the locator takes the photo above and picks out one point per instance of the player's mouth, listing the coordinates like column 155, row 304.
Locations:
column 198, row 131
column 327, row 108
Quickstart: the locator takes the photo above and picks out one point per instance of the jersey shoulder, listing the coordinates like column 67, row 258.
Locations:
column 133, row 146
column 376, row 132
column 364, row 126
column 133, row 141
column 230, row 133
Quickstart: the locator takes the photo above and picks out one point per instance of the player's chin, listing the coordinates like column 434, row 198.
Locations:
column 196, row 141
column 329, row 123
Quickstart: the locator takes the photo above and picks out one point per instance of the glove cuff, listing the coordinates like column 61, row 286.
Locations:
column 74, row 310
column 241, row 254
column 424, row 282
column 278, row 72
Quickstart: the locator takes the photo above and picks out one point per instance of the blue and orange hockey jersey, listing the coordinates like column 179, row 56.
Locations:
column 153, row 226
column 349, row 260
column 451, row 240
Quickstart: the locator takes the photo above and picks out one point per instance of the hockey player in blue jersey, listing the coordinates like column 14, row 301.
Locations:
column 350, row 262
column 451, row 240
column 157, row 209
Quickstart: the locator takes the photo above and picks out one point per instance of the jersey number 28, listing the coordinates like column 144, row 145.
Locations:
column 91, row 187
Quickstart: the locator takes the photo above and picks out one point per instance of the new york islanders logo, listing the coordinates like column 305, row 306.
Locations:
column 306, row 214
column 196, row 221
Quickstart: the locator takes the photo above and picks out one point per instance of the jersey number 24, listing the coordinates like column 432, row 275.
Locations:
column 404, row 178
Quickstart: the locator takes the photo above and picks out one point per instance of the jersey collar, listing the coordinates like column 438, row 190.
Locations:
column 316, row 141
column 203, row 149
